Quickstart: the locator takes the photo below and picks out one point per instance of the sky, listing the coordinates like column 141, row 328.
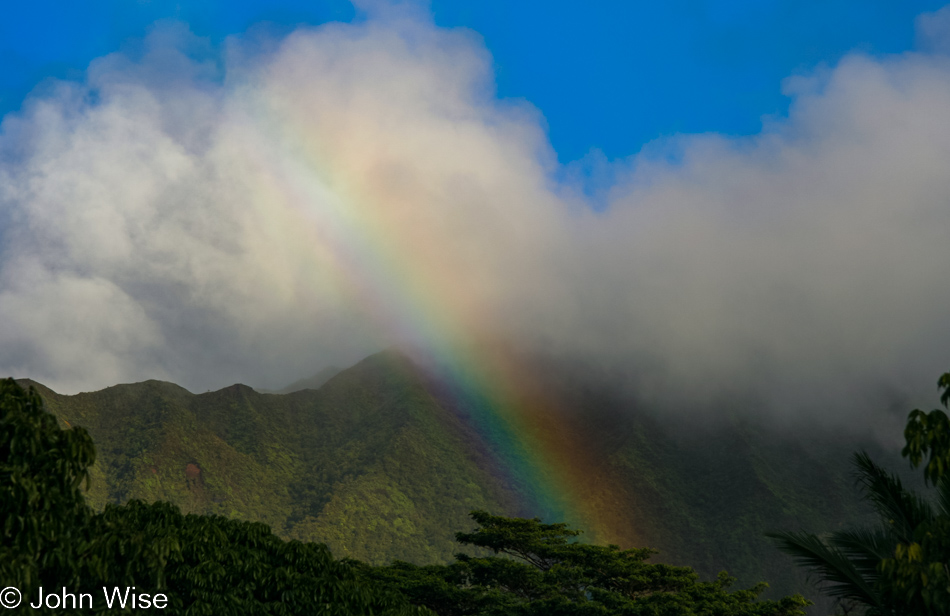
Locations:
column 610, row 76
column 748, row 196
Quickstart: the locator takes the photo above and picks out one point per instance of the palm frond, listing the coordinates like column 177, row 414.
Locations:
column 831, row 564
column 943, row 495
column 902, row 511
column 865, row 548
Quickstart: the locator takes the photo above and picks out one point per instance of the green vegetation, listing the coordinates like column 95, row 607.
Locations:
column 369, row 464
column 210, row 565
column 207, row 565
column 41, row 506
column 379, row 467
column 705, row 496
column 900, row 566
column 540, row 570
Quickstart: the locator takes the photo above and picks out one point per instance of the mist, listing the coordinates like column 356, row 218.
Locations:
column 259, row 210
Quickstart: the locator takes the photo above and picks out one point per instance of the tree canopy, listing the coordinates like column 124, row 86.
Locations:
column 42, row 509
column 204, row 564
column 533, row 568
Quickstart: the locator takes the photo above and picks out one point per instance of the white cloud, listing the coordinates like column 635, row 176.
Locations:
column 354, row 186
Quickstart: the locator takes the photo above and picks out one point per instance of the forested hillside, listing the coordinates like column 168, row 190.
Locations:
column 368, row 464
column 379, row 466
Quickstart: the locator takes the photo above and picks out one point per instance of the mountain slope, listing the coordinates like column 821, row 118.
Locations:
column 379, row 466
column 368, row 464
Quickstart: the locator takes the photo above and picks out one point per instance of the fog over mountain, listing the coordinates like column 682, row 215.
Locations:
column 258, row 211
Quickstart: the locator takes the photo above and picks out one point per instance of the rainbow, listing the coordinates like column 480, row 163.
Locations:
column 538, row 443
column 362, row 249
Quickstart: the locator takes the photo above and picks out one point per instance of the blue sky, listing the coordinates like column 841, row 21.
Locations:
column 611, row 76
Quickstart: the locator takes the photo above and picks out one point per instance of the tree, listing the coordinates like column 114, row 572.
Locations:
column 540, row 569
column 42, row 510
column 213, row 565
column 203, row 564
column 918, row 570
column 899, row 567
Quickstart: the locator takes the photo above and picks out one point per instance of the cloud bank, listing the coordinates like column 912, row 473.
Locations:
column 256, row 212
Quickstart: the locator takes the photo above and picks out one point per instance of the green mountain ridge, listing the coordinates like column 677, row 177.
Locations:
column 379, row 467
column 356, row 464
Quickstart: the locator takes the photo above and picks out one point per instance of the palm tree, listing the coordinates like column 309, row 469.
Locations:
column 900, row 567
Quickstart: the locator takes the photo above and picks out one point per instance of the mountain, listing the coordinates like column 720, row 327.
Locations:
column 378, row 464
column 367, row 464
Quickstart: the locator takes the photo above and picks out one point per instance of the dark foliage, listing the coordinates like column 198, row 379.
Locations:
column 539, row 569
column 900, row 567
column 42, row 511
column 206, row 565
